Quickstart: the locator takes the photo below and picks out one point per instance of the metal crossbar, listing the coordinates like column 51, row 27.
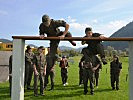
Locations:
column 74, row 38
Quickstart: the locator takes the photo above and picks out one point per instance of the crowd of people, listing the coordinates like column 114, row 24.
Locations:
column 43, row 66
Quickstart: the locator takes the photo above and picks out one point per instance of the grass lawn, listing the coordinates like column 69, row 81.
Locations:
column 73, row 91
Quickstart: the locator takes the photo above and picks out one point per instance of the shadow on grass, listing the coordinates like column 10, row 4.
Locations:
column 104, row 90
column 68, row 87
column 60, row 92
column 62, row 95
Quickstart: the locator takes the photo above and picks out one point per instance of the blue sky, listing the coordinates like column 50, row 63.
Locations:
column 23, row 17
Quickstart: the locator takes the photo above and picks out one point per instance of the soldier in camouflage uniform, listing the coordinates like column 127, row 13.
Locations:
column 90, row 64
column 28, row 67
column 115, row 68
column 94, row 47
column 39, row 64
column 51, row 28
column 50, row 70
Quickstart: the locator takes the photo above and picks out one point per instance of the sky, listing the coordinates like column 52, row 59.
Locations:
column 23, row 17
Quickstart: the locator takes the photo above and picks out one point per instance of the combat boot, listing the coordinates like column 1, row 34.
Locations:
column 92, row 92
column 85, row 92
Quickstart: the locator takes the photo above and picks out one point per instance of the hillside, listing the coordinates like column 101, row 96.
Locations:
column 5, row 41
column 126, row 31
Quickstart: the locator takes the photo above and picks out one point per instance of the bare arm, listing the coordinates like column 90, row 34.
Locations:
column 66, row 30
column 95, row 68
column 102, row 37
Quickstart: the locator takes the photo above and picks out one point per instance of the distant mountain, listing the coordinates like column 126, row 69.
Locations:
column 65, row 48
column 126, row 31
column 5, row 41
column 70, row 48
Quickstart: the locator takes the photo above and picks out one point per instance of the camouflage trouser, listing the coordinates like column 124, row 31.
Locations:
column 52, row 75
column 28, row 74
column 54, row 45
column 64, row 75
column 88, row 74
column 96, row 77
column 80, row 76
column 115, row 78
column 41, row 78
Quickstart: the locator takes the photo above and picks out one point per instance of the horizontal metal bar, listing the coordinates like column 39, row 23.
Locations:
column 74, row 38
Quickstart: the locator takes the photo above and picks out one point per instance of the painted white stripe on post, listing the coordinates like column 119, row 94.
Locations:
column 18, row 69
column 131, row 70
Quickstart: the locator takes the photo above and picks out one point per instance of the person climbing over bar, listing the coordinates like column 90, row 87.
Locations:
column 50, row 27
column 94, row 47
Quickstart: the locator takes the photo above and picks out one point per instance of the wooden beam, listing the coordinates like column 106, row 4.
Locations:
column 74, row 38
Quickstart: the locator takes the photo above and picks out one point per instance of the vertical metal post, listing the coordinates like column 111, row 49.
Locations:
column 131, row 70
column 18, row 69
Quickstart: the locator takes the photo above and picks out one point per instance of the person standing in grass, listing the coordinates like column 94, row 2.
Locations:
column 97, row 71
column 90, row 64
column 39, row 65
column 28, row 67
column 81, row 71
column 115, row 68
column 64, row 70
column 50, row 71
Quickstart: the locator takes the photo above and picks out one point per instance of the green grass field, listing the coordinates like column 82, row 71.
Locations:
column 73, row 91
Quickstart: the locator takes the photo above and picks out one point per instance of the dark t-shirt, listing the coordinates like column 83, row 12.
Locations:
column 115, row 66
column 90, row 42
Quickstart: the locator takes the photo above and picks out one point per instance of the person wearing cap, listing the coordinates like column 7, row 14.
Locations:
column 39, row 66
column 50, row 27
column 115, row 68
column 64, row 72
column 94, row 47
column 28, row 67
column 50, row 69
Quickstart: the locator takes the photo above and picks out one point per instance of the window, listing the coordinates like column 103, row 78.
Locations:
column 9, row 46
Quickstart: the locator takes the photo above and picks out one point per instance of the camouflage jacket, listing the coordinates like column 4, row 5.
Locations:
column 39, row 60
column 53, row 29
column 28, row 57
